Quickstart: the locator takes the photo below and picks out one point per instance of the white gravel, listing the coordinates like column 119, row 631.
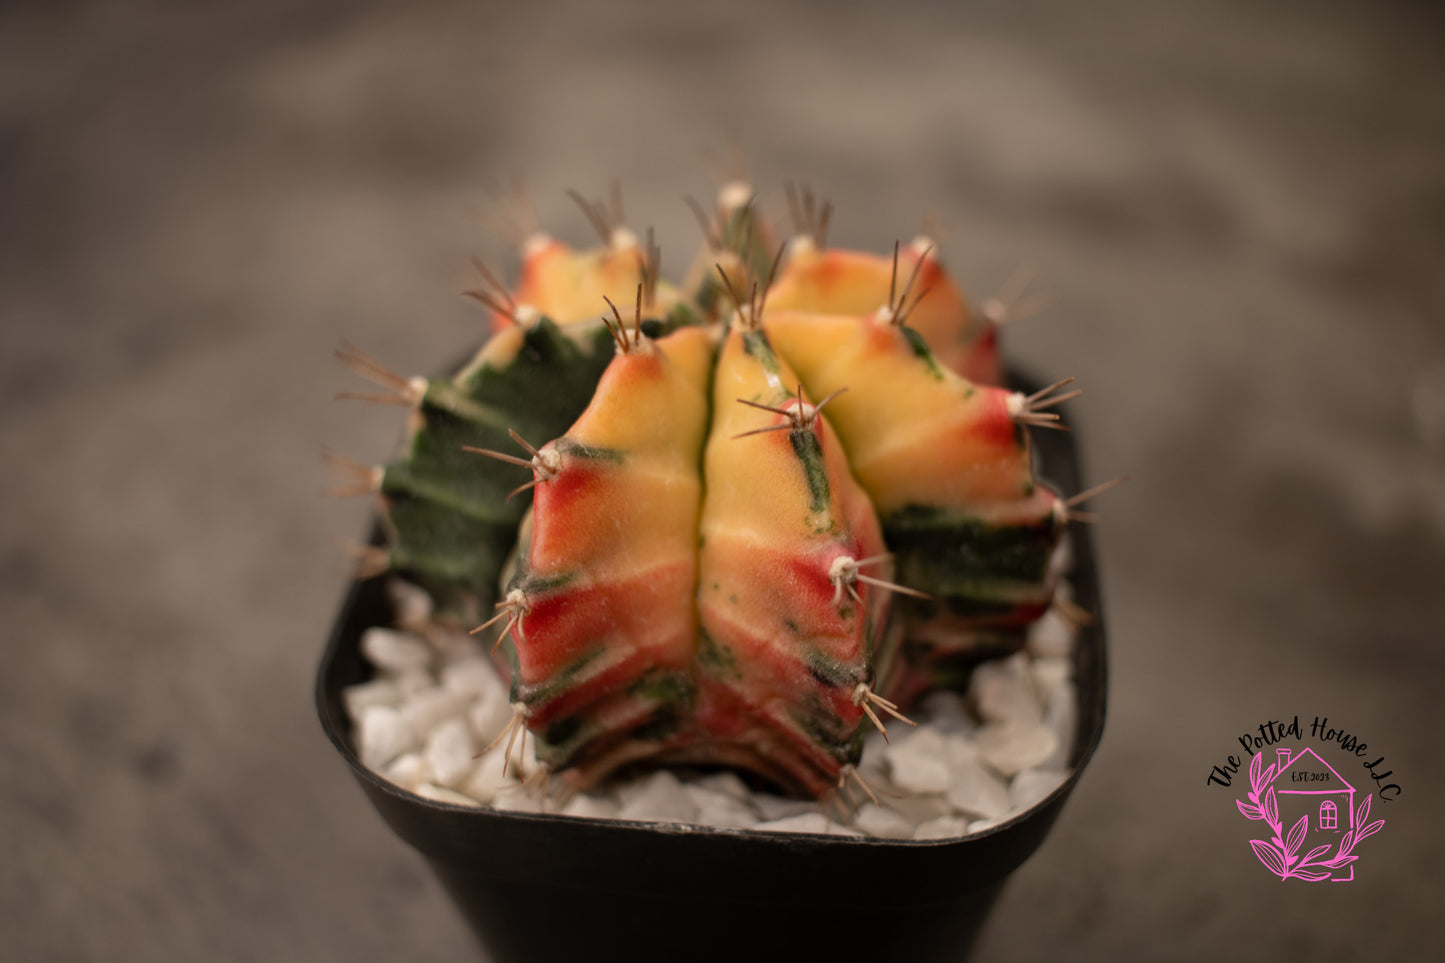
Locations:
column 382, row 735
column 486, row 778
column 973, row 761
column 975, row 790
column 918, row 760
column 658, row 798
column 1052, row 635
column 394, row 650
column 876, row 820
column 943, row 827
column 813, row 822
column 408, row 771
column 379, row 692
column 451, row 751
column 1004, row 691
column 1011, row 747
column 442, row 794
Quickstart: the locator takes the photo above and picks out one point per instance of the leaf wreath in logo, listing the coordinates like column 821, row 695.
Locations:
column 1280, row 853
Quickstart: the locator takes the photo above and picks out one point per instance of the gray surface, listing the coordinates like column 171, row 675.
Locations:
column 1240, row 216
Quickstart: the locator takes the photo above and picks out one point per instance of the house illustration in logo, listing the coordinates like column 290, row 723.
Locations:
column 1306, row 785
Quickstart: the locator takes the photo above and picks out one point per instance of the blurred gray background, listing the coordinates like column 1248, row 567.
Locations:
column 1239, row 213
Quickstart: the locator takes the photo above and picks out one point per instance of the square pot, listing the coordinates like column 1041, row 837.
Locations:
column 539, row 888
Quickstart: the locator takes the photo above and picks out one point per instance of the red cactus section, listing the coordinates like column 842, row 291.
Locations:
column 610, row 571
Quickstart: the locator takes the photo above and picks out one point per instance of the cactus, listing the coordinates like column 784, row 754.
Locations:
column 732, row 523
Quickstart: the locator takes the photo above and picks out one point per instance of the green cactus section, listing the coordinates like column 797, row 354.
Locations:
column 605, row 626
column 989, row 565
column 450, row 521
column 786, row 642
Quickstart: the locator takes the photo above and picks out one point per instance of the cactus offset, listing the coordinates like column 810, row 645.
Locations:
column 762, row 509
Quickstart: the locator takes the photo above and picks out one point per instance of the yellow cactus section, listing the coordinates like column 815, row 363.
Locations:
column 568, row 285
column 916, row 433
column 857, row 284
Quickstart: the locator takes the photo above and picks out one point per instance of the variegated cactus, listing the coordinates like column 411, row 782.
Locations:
column 730, row 523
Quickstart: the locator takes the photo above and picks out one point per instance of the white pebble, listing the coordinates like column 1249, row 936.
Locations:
column 1011, row 747
column 630, row 788
column 411, row 604
column 378, row 692
column 383, row 735
column 813, row 822
column 473, row 677
column 1061, row 562
column 979, row 825
column 429, row 709
column 489, row 715
column 518, row 799
column 408, row 771
column 882, row 822
column 1003, row 691
column 588, row 806
column 874, row 772
column 1062, row 718
column 702, row 797
column 412, row 681
column 773, row 808
column 1051, row 635
column 946, row 711
column 918, row 761
column 962, row 748
column 975, row 791
column 660, row 799
column 944, row 827
column 917, row 807
column 486, row 779
column 394, row 651
column 731, row 815
column 450, row 751
column 444, row 795
column 1049, row 675
column 1029, row 787
column 727, row 783
column 874, row 744
column 451, row 645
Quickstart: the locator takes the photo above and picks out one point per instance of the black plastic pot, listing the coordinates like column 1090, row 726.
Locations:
column 554, row 888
